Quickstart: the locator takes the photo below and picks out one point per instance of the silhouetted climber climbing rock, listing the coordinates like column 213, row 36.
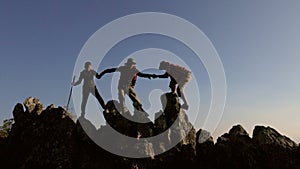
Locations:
column 178, row 75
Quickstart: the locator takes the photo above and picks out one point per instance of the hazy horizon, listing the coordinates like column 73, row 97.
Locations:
column 257, row 41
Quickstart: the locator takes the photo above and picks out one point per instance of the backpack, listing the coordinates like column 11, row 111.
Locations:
column 178, row 72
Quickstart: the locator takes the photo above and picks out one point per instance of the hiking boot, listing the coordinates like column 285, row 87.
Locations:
column 178, row 92
column 124, row 110
column 137, row 106
column 185, row 106
column 82, row 115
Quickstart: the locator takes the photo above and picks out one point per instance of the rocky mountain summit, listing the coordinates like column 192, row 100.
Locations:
column 50, row 138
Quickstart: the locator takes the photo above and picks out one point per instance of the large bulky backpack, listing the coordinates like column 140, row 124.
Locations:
column 178, row 72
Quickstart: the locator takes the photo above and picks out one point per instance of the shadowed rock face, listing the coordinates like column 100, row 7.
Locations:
column 51, row 139
column 237, row 131
column 269, row 136
column 44, row 139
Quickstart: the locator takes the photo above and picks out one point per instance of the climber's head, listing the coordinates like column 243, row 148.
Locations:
column 88, row 66
column 163, row 65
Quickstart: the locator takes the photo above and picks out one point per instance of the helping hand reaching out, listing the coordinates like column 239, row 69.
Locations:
column 154, row 76
column 99, row 76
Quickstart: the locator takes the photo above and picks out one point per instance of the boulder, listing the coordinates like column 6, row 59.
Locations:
column 204, row 136
column 6, row 128
column 18, row 112
column 33, row 105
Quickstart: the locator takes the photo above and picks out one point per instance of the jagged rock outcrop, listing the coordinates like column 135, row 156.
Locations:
column 276, row 150
column 235, row 150
column 267, row 149
column 44, row 140
column 269, row 136
column 172, row 120
column 52, row 139
column 49, row 138
column 5, row 128
column 204, row 149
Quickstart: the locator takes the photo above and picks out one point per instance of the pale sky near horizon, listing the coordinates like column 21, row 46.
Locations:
column 257, row 41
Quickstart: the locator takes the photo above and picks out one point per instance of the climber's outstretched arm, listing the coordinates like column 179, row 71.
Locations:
column 146, row 75
column 111, row 70
column 166, row 75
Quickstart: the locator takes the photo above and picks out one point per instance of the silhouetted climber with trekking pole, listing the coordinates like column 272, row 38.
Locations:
column 178, row 75
column 89, row 86
column 127, row 80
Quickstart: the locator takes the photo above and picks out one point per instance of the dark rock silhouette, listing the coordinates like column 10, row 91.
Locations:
column 40, row 139
column 49, row 138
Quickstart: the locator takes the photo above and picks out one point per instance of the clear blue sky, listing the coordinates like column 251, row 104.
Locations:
column 258, row 43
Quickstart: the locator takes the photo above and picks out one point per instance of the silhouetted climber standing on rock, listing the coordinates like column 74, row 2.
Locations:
column 89, row 86
column 179, row 75
column 127, row 80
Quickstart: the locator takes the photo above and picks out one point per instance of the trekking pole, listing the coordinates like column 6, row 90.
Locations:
column 70, row 93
